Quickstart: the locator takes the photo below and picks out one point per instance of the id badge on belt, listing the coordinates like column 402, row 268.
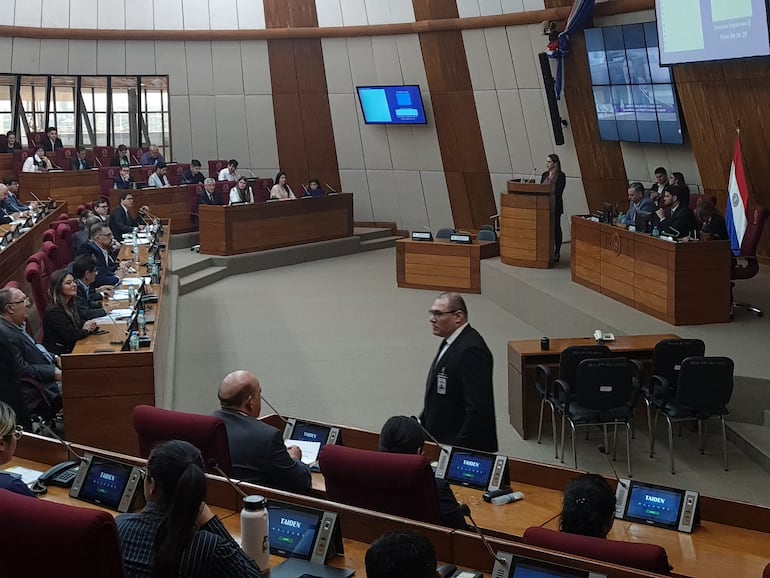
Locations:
column 441, row 382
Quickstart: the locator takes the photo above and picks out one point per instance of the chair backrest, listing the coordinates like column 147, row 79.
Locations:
column 668, row 355
column 754, row 229
column 38, row 282
column 54, row 255
column 605, row 383
column 19, row 156
column 49, row 235
column 571, row 357
column 78, row 541
column 154, row 425
column 445, row 233
column 64, row 241
column 486, row 235
column 107, row 180
column 175, row 172
column 705, row 383
column 64, row 155
column 766, row 573
column 135, row 154
column 35, row 139
column 216, row 166
column 103, row 156
column 222, row 191
column 649, row 557
column 397, row 484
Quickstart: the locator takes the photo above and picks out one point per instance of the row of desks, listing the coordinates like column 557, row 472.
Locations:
column 359, row 526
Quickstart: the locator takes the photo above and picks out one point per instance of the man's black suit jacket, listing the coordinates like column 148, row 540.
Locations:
column 678, row 223
column 75, row 165
column 88, row 306
column 122, row 222
column 105, row 271
column 50, row 147
column 28, row 359
column 463, row 413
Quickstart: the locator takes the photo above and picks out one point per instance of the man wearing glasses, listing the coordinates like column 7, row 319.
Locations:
column 31, row 361
column 459, row 400
column 121, row 221
column 108, row 270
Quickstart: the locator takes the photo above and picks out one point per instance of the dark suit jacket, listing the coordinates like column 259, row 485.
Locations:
column 122, row 222
column 28, row 359
column 75, row 165
column 259, row 455
column 203, row 198
column 463, row 415
column 678, row 223
column 105, row 271
column 189, row 178
column 87, row 305
column 60, row 333
column 48, row 147
column 558, row 190
column 120, row 184
column 16, row 147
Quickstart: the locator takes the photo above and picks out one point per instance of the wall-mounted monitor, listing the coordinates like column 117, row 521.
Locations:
column 634, row 96
column 701, row 30
column 400, row 104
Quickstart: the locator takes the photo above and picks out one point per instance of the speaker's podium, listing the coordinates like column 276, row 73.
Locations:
column 527, row 225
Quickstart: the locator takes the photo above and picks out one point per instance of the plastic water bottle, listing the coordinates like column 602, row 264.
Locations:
column 136, row 242
column 133, row 341
column 255, row 540
column 141, row 322
column 655, row 232
column 131, row 294
column 154, row 274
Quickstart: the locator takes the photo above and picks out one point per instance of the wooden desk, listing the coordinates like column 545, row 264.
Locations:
column 171, row 203
column 441, row 265
column 260, row 226
column 680, row 283
column 524, row 356
column 13, row 259
column 527, row 225
column 6, row 165
column 73, row 187
column 101, row 384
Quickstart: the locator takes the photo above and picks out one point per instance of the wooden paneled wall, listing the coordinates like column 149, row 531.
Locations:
column 303, row 122
column 601, row 163
column 457, row 122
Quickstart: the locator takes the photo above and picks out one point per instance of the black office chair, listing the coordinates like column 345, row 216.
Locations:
column 604, row 393
column 445, row 233
column 486, row 235
column 704, row 388
column 568, row 362
column 667, row 358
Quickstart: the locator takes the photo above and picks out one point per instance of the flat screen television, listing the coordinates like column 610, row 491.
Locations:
column 698, row 31
column 400, row 104
column 634, row 96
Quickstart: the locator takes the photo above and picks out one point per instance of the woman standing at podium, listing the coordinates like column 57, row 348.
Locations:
column 554, row 176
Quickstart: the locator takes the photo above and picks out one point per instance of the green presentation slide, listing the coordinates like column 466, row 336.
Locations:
column 682, row 23
column 730, row 9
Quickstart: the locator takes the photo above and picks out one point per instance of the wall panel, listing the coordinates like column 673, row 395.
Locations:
column 139, row 15
column 82, row 57
column 56, row 13
column 195, row 14
column 54, row 56
column 111, row 59
column 255, row 66
column 260, row 126
column 25, row 55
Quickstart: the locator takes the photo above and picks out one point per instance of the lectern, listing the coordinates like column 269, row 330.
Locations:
column 527, row 225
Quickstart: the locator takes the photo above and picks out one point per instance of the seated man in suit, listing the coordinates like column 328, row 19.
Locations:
column 79, row 163
column 121, row 221
column 674, row 216
column 6, row 212
column 208, row 195
column 89, row 300
column 404, row 435
column 86, row 220
column 31, row 360
column 12, row 201
column 637, row 201
column 152, row 157
column 123, row 180
column 53, row 141
column 158, row 179
column 193, row 176
column 102, row 209
column 401, row 554
column 257, row 451
column 108, row 270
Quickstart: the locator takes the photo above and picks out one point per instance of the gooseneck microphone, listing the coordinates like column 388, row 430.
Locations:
column 67, row 445
column 467, row 513
column 270, row 405
column 603, row 450
column 212, row 464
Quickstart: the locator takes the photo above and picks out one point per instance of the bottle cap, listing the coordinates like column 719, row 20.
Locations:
column 253, row 503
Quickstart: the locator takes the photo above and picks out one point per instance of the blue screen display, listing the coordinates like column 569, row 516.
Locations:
column 105, row 482
column 469, row 469
column 654, row 505
column 391, row 104
column 634, row 96
column 292, row 531
column 310, row 432
column 527, row 569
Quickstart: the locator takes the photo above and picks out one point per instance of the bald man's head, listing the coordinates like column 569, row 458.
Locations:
column 241, row 391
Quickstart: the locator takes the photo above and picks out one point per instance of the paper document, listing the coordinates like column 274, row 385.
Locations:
column 28, row 476
column 132, row 281
column 309, row 449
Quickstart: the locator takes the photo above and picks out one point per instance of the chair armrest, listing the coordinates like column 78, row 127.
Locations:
column 543, row 380
column 562, row 393
column 40, row 389
column 660, row 388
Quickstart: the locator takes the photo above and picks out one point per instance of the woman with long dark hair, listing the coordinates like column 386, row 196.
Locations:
column 176, row 534
column 281, row 190
column 555, row 177
column 241, row 192
column 62, row 325
column 589, row 507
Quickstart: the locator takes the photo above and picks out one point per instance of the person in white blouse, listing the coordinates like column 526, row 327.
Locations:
column 37, row 163
column 230, row 172
column 241, row 193
column 280, row 189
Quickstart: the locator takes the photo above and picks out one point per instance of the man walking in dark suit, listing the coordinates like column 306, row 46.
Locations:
column 459, row 400
column 257, row 451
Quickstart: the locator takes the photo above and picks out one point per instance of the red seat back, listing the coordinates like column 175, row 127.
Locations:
column 649, row 557
column 215, row 167
column 19, row 156
column 175, row 172
column 64, row 240
column 64, row 155
column 78, row 541
column 54, row 255
column 135, row 154
column 398, row 484
column 38, row 282
column 107, row 180
column 103, row 156
column 154, row 425
column 35, row 139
